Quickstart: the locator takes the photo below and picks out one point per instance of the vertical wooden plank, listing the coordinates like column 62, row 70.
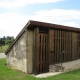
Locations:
column 71, row 45
column 74, row 45
column 78, row 42
column 40, row 49
column 41, row 55
column 65, row 43
column 48, row 49
column 43, row 52
column 36, row 62
column 64, row 46
column 47, row 52
column 77, row 45
column 44, row 55
column 68, row 45
column 57, row 45
column 60, row 47
column 54, row 45
column 68, row 48
column 60, row 41
column 51, row 45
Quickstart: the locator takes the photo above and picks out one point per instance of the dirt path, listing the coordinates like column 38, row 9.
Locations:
column 2, row 55
column 44, row 75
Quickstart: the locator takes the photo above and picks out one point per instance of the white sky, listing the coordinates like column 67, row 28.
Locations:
column 12, row 22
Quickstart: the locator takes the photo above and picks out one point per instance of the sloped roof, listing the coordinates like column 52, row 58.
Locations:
column 32, row 24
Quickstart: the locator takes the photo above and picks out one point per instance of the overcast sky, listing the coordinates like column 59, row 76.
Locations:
column 14, row 14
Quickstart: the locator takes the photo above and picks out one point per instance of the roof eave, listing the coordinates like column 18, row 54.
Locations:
column 37, row 23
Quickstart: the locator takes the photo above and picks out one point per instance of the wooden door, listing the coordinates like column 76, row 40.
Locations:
column 43, row 57
column 43, row 54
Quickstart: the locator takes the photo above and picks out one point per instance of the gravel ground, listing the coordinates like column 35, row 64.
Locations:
column 44, row 75
column 2, row 55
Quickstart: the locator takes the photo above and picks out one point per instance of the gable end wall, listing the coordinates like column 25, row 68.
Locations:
column 20, row 56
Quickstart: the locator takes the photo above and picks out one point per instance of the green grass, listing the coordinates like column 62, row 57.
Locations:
column 4, row 48
column 10, row 74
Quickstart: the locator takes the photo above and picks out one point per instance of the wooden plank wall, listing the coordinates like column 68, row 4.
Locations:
column 64, row 46
column 60, row 46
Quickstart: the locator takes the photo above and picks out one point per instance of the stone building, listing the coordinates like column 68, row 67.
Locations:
column 40, row 46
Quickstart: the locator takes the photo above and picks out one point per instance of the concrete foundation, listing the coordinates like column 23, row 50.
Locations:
column 67, row 66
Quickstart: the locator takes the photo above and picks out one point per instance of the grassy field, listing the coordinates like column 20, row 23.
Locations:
column 10, row 74
column 3, row 48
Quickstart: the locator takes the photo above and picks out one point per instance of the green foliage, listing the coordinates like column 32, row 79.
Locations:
column 10, row 74
column 6, row 40
column 2, row 42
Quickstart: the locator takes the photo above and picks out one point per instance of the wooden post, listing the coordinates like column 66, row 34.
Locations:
column 36, row 50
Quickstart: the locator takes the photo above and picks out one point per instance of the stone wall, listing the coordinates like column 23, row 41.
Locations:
column 67, row 66
column 20, row 56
